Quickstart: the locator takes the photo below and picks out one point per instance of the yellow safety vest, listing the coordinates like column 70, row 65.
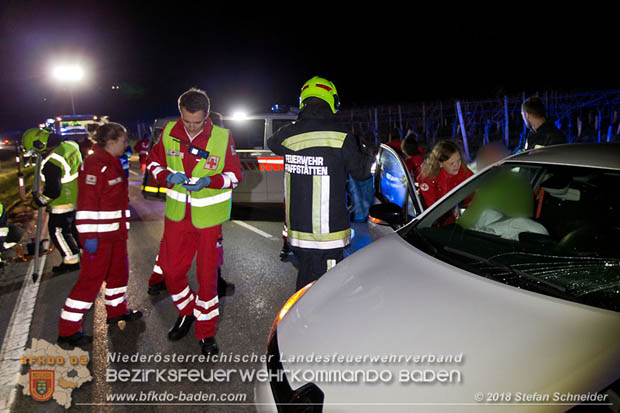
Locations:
column 209, row 207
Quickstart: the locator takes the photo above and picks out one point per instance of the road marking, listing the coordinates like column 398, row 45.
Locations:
column 16, row 336
column 254, row 229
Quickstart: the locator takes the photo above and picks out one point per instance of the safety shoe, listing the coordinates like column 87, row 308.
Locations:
column 208, row 346
column 155, row 289
column 285, row 251
column 75, row 340
column 224, row 288
column 131, row 315
column 64, row 267
column 180, row 328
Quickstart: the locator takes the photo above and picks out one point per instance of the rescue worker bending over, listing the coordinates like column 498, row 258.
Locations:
column 197, row 162
column 59, row 173
column 318, row 156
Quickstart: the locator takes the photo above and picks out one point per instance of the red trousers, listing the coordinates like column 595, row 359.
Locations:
column 178, row 247
column 157, row 275
column 143, row 162
column 109, row 264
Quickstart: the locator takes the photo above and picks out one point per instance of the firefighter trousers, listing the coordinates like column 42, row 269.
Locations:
column 109, row 264
column 179, row 245
column 65, row 236
column 314, row 263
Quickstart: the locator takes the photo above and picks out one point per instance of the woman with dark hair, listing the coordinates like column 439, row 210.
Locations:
column 442, row 171
column 102, row 221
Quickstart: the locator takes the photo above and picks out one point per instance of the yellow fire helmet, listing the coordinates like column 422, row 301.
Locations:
column 320, row 88
column 35, row 139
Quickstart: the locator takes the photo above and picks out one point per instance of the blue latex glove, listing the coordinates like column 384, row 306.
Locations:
column 201, row 183
column 177, row 178
column 91, row 245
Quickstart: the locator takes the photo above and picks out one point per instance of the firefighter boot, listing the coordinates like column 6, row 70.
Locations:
column 64, row 267
column 75, row 340
column 180, row 328
column 208, row 346
column 131, row 315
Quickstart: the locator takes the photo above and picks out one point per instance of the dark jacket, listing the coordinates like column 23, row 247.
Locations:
column 547, row 134
column 318, row 156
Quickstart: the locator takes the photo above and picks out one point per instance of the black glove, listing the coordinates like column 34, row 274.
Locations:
column 39, row 201
column 369, row 146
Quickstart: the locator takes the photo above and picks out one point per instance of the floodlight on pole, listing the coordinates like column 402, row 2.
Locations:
column 69, row 74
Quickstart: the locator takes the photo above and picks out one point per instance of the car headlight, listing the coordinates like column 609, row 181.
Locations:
column 287, row 306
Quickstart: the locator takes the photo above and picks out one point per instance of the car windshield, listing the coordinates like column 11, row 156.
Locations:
column 552, row 229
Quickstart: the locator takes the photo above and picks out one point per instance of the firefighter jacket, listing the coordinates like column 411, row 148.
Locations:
column 211, row 153
column 318, row 157
column 59, row 172
column 103, row 198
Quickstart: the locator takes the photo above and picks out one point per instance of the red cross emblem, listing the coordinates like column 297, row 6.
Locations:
column 212, row 162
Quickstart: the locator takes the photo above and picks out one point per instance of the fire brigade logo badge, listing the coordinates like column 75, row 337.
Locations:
column 41, row 384
column 91, row 179
column 212, row 162
column 424, row 187
column 172, row 152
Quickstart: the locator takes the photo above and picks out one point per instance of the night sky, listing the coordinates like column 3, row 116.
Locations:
column 253, row 58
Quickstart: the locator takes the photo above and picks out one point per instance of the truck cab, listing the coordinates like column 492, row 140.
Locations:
column 263, row 171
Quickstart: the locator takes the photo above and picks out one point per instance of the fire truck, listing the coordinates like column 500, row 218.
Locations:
column 263, row 171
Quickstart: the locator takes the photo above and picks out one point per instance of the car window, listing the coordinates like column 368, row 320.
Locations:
column 552, row 229
column 392, row 179
column 247, row 133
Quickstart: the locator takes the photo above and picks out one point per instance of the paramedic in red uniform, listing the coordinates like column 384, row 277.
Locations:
column 197, row 162
column 102, row 221
column 441, row 172
column 142, row 149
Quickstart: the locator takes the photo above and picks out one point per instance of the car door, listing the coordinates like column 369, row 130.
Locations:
column 397, row 201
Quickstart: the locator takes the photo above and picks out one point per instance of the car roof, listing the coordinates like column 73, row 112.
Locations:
column 593, row 155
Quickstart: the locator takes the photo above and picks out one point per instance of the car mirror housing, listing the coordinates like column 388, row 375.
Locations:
column 386, row 214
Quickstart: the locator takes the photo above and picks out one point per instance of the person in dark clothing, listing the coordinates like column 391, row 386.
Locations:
column 319, row 154
column 542, row 132
column 59, row 173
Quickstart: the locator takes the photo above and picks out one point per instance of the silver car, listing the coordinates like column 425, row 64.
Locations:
column 504, row 295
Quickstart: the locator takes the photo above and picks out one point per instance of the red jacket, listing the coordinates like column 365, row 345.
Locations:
column 103, row 198
column 157, row 166
column 142, row 147
column 433, row 188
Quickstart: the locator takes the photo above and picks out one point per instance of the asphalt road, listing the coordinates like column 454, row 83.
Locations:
column 252, row 241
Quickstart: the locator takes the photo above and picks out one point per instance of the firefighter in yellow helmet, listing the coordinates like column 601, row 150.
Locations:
column 59, row 172
column 319, row 154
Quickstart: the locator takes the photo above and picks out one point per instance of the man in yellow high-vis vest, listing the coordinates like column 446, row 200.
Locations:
column 59, row 175
column 197, row 162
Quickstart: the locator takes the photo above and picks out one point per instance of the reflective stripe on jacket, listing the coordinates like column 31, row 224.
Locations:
column 67, row 158
column 209, row 206
column 318, row 157
column 103, row 198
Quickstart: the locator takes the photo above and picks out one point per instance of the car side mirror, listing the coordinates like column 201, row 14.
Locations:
column 386, row 214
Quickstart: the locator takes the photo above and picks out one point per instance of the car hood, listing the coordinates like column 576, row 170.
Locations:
column 393, row 299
